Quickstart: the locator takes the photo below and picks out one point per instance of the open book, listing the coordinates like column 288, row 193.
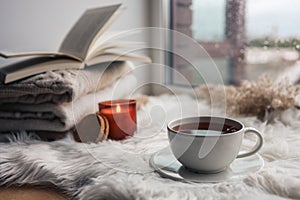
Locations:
column 77, row 50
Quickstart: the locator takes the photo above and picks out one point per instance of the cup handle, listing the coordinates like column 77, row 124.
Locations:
column 258, row 144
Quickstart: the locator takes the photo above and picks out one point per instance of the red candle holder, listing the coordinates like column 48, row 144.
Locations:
column 121, row 116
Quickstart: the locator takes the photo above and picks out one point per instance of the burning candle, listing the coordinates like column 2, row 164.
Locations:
column 121, row 116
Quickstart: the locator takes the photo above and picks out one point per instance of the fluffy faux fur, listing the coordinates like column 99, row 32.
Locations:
column 120, row 170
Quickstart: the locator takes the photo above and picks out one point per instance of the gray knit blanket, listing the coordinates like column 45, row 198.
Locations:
column 120, row 169
column 57, row 100
column 62, row 85
column 61, row 117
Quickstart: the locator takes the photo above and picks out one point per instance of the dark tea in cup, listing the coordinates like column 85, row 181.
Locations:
column 205, row 128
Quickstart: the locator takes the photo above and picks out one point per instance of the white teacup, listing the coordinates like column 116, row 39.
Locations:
column 209, row 144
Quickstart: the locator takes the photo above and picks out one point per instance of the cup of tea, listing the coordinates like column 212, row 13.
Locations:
column 209, row 144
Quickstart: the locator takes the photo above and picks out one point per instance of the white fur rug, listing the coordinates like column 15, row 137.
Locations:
column 120, row 170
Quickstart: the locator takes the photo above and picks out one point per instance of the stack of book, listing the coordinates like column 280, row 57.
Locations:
column 52, row 91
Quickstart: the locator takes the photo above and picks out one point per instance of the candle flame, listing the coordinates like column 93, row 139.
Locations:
column 118, row 108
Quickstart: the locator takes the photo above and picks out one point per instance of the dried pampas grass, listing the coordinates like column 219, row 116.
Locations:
column 259, row 98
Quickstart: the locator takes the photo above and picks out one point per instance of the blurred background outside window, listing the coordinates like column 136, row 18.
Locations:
column 245, row 38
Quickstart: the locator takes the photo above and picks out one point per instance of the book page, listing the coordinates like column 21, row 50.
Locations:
column 110, row 46
column 111, row 57
column 90, row 25
column 115, row 37
column 102, row 31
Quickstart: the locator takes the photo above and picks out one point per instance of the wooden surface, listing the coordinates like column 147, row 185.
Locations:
column 29, row 193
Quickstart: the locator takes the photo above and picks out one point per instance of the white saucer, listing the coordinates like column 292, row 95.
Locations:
column 165, row 163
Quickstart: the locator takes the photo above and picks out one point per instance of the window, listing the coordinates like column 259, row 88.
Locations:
column 243, row 37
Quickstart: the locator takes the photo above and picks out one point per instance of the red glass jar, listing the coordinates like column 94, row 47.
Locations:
column 121, row 116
